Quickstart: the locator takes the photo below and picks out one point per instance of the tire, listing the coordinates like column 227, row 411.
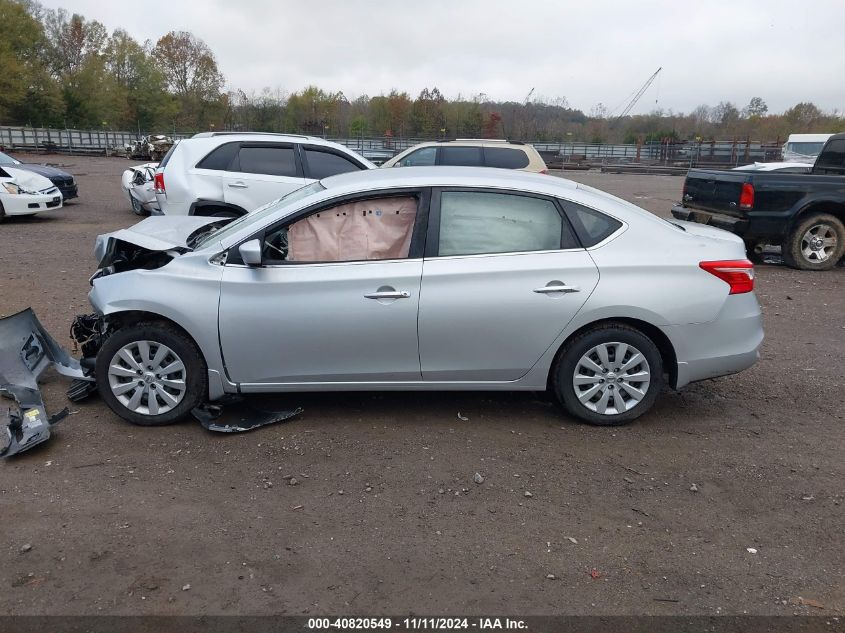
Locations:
column 174, row 394
column 587, row 349
column 137, row 209
column 816, row 242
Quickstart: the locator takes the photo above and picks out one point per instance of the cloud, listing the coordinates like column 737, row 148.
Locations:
column 588, row 52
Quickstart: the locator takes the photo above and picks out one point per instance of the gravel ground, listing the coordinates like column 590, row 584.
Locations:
column 726, row 498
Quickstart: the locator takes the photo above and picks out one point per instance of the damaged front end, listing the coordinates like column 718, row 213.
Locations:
column 26, row 350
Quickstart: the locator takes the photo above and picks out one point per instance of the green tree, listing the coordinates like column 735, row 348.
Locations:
column 756, row 108
column 21, row 37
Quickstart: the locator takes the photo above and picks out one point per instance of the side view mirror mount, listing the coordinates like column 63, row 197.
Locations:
column 251, row 252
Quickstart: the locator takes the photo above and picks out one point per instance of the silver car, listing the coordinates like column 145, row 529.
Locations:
column 428, row 278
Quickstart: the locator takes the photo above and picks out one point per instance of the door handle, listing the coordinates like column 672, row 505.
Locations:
column 560, row 288
column 238, row 185
column 388, row 294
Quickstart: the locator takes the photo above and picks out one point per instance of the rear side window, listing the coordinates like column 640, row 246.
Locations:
column 269, row 160
column 460, row 156
column 219, row 158
column 324, row 164
column 505, row 158
column 475, row 222
column 591, row 226
column 832, row 158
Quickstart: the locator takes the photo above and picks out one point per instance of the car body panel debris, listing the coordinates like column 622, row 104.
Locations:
column 26, row 350
column 246, row 416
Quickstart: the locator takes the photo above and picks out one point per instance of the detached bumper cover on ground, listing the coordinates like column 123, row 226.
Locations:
column 26, row 350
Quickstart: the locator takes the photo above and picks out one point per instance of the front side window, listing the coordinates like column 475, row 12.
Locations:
column 460, row 156
column 362, row 230
column 324, row 164
column 424, row 157
column 271, row 161
column 473, row 223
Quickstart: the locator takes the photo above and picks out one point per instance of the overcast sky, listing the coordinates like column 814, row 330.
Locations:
column 588, row 51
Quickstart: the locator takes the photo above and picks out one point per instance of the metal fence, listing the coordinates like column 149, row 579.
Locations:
column 688, row 153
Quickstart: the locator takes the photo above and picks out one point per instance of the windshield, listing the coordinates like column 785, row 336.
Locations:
column 260, row 213
column 808, row 149
column 5, row 159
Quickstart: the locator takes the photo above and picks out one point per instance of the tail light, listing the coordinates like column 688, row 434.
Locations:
column 158, row 180
column 737, row 273
column 746, row 198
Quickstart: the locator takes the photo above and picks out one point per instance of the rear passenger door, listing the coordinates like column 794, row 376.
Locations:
column 503, row 275
column 460, row 156
column 260, row 173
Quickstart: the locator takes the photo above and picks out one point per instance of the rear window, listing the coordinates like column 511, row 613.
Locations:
column 272, row 161
column 219, row 158
column 505, row 158
column 832, row 159
column 167, row 156
column 460, row 156
column 591, row 226
column 324, row 164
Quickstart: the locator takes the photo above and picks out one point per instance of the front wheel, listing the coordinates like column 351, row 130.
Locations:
column 815, row 243
column 609, row 375
column 151, row 374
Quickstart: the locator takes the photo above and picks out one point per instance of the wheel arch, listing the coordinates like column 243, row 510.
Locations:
column 836, row 208
column 654, row 333
column 205, row 208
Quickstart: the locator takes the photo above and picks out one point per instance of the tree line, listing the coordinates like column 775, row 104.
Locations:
column 64, row 70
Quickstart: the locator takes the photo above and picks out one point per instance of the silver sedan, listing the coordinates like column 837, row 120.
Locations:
column 422, row 279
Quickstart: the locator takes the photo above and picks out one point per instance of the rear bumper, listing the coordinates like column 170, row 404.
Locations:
column 726, row 345
column 739, row 226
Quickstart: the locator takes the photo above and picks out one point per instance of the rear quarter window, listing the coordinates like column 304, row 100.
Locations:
column 505, row 158
column 324, row 164
column 591, row 226
column 219, row 158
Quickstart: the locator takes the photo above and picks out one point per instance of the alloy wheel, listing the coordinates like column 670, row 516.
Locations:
column 819, row 243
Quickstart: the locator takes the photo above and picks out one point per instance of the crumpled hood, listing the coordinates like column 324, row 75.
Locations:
column 158, row 234
column 27, row 179
column 44, row 170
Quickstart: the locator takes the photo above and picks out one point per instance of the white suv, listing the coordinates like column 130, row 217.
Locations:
column 228, row 174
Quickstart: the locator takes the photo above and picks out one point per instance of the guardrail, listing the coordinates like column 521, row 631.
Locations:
column 557, row 154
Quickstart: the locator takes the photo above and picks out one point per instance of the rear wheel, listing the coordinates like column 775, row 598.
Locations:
column 609, row 375
column 136, row 206
column 816, row 243
column 151, row 374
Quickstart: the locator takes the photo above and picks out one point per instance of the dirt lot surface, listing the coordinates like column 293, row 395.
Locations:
column 726, row 498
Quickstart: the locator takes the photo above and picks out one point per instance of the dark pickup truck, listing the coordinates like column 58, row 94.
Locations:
column 802, row 213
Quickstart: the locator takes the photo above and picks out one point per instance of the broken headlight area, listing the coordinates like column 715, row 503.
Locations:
column 26, row 351
column 123, row 256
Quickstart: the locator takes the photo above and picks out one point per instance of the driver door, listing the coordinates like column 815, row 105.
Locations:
column 335, row 300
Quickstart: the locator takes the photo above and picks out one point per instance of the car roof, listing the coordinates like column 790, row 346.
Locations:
column 446, row 176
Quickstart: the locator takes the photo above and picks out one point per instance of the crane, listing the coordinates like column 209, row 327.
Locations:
column 639, row 94
column 528, row 96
